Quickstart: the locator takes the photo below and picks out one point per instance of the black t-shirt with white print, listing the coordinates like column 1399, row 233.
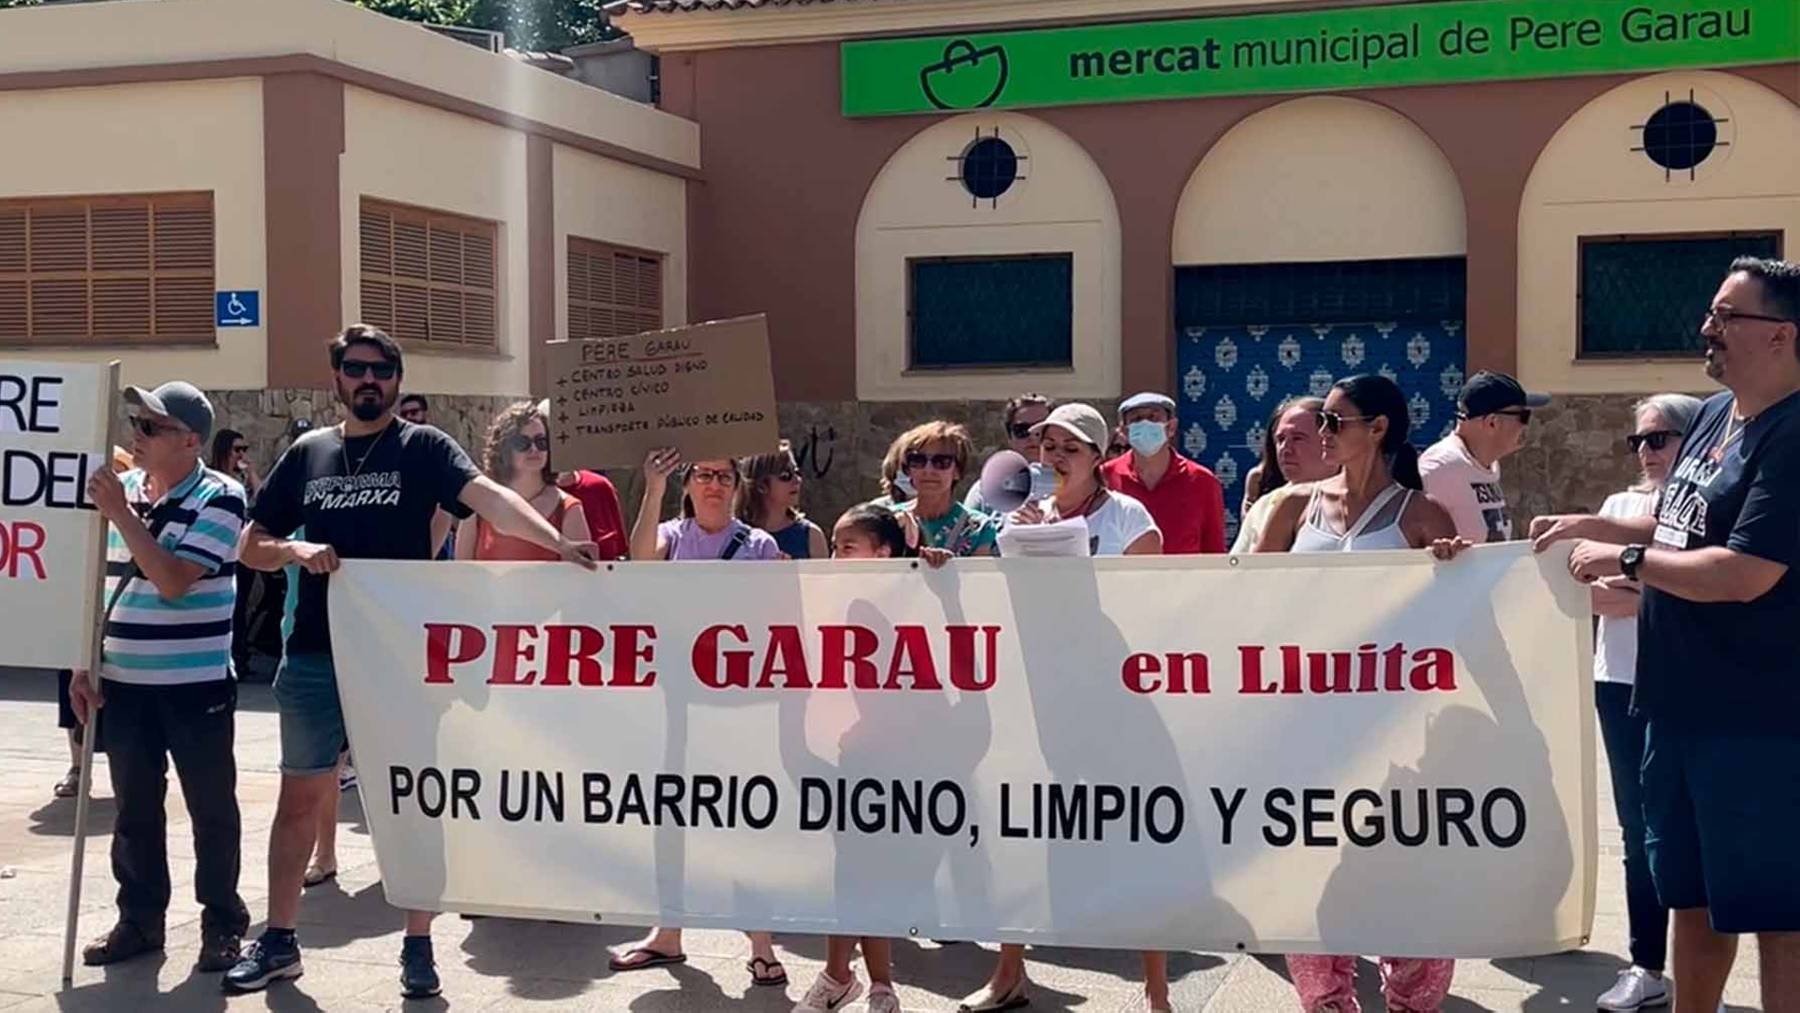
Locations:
column 1729, row 666
column 368, row 497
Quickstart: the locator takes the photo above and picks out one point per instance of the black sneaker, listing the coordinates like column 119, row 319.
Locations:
column 264, row 961
column 418, row 971
column 123, row 942
column 219, row 951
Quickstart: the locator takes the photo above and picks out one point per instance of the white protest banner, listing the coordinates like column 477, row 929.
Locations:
column 53, row 435
column 1367, row 753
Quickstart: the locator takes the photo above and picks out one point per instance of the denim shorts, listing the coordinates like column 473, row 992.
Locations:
column 312, row 718
column 1722, row 814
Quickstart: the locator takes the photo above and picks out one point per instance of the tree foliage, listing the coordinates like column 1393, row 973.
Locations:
column 528, row 24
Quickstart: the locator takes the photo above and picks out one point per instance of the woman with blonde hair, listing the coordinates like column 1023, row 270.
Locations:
column 934, row 457
column 517, row 455
column 769, row 498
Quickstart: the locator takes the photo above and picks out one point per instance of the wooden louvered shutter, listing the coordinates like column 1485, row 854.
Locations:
column 613, row 290
column 107, row 270
column 428, row 276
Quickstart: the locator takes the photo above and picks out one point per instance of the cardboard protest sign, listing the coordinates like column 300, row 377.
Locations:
column 705, row 389
column 53, row 435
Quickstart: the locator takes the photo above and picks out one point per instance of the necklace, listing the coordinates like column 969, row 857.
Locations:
column 344, row 449
column 1087, row 506
column 1734, row 431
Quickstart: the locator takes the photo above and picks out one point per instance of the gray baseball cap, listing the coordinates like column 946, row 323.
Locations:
column 175, row 400
column 1080, row 419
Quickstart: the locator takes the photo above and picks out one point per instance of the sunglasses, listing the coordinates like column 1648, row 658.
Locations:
column 785, row 475
column 1657, row 439
column 240, row 450
column 1019, row 430
column 150, row 428
column 937, row 462
column 1522, row 414
column 357, row 370
column 519, row 443
column 707, row 476
column 1333, row 422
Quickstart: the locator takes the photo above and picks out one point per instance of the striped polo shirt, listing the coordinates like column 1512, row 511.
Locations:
column 152, row 641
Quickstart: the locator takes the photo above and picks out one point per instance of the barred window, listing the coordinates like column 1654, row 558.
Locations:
column 987, row 312
column 429, row 277
column 107, row 270
column 613, row 290
column 1643, row 296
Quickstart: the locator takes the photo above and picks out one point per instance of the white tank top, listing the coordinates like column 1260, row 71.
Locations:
column 1378, row 528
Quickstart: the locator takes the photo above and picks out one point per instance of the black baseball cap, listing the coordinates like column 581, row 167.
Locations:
column 1488, row 392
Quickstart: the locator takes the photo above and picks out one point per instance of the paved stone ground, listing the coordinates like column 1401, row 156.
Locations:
column 352, row 937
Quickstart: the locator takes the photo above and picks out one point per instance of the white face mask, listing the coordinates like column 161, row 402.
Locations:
column 1147, row 437
column 904, row 484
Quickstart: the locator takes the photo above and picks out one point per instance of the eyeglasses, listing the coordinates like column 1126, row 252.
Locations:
column 1332, row 422
column 1019, row 430
column 150, row 428
column 707, row 476
column 1723, row 316
column 937, row 462
column 357, row 370
column 1657, row 440
column 520, row 443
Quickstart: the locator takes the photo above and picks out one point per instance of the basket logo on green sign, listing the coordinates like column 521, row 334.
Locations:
column 1363, row 47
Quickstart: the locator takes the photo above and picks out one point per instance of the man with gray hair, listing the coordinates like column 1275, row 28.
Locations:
column 166, row 672
column 1717, row 672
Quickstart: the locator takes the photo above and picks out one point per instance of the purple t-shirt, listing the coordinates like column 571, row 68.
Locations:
column 687, row 540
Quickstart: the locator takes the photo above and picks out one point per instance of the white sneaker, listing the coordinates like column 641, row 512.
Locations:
column 346, row 777
column 883, row 1000
column 1635, row 989
column 828, row 995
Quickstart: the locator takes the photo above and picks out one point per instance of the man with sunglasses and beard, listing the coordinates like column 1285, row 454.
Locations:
column 1462, row 470
column 366, row 488
column 1718, row 675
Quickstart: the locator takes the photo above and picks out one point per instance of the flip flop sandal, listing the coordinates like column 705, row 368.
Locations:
column 317, row 877
column 653, row 958
column 771, row 975
column 70, row 784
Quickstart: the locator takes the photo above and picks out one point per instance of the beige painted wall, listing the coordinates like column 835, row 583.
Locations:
column 1061, row 204
column 1588, row 182
column 414, row 154
column 598, row 198
column 72, row 36
column 1321, row 178
column 147, row 138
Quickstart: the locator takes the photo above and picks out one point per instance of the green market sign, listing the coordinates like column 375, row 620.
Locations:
column 1363, row 47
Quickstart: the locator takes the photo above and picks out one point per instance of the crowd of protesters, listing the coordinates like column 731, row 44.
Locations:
column 1698, row 678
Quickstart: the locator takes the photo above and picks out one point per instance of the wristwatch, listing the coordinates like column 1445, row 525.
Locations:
column 1630, row 560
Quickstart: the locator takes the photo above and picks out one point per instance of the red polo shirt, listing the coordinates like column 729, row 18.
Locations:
column 1188, row 504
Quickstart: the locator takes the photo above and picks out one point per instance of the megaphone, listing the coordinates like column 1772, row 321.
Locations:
column 1008, row 481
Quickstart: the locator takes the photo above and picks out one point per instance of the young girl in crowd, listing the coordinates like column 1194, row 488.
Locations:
column 705, row 530
column 867, row 531
column 770, row 500
column 1373, row 501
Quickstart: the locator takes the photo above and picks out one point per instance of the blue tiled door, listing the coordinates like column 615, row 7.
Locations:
column 1232, row 377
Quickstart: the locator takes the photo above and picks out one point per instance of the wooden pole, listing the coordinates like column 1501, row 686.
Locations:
column 93, row 674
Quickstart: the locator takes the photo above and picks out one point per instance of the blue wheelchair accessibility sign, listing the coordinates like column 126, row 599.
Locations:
column 237, row 309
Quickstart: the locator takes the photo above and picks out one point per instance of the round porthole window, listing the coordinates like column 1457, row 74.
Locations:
column 990, row 166
column 1680, row 135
